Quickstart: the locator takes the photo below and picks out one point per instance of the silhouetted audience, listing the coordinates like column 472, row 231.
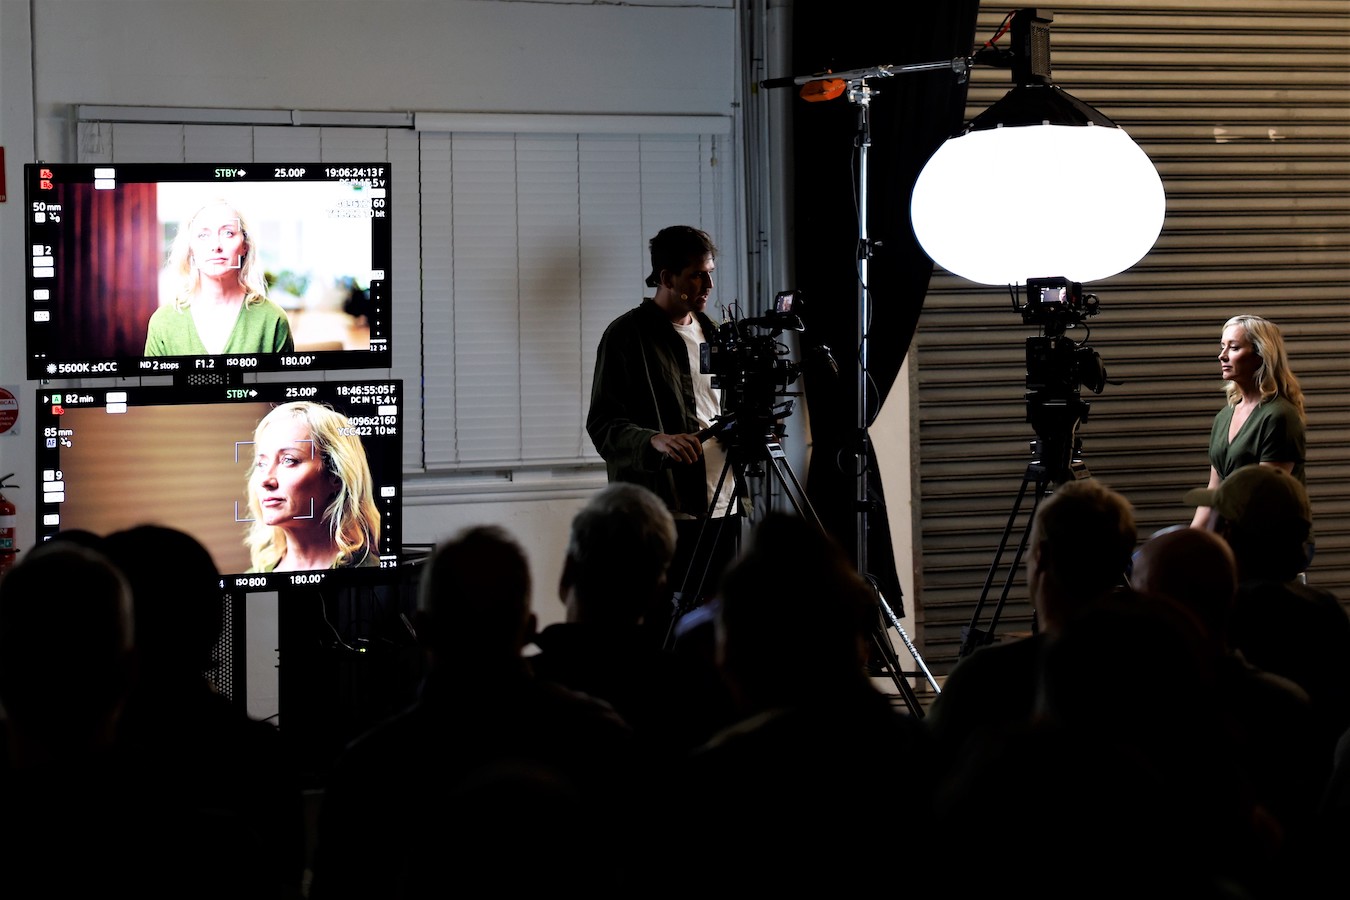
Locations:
column 77, row 817
column 823, row 785
column 241, row 791
column 618, row 556
column 492, row 776
column 1269, row 719
column 1333, row 826
column 1079, row 545
column 66, row 657
column 1279, row 623
column 1125, row 783
column 1173, row 737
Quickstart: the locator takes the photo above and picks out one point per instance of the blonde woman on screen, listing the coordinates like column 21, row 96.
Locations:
column 310, row 493
column 220, row 302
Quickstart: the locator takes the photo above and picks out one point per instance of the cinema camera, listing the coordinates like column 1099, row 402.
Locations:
column 748, row 362
column 1057, row 366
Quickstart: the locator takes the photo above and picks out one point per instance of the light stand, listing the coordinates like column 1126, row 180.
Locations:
column 856, row 84
column 1070, row 158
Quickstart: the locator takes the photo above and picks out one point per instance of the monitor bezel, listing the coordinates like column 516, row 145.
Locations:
column 212, row 417
column 96, row 352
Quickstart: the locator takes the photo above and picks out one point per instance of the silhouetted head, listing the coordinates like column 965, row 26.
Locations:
column 66, row 625
column 474, row 599
column 1194, row 568
column 176, row 593
column 1264, row 514
column 793, row 615
column 618, row 554
column 1081, row 540
column 81, row 536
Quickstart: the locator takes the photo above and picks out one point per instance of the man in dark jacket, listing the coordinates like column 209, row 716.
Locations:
column 649, row 401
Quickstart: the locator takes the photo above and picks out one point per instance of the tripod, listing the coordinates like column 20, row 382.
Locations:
column 1053, row 465
column 746, row 458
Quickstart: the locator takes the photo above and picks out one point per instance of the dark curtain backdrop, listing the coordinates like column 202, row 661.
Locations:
column 910, row 115
column 109, row 270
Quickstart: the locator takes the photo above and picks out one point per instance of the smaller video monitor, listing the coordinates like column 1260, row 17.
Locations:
column 206, row 269
column 286, row 484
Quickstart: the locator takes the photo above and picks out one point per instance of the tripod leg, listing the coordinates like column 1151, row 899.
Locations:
column 791, row 486
column 909, row 645
column 892, row 661
column 972, row 637
column 687, row 601
column 705, row 552
column 1041, row 487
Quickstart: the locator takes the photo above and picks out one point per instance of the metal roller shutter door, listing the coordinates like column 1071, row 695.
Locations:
column 1245, row 109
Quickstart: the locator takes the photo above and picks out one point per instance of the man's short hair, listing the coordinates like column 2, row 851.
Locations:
column 676, row 247
column 1091, row 533
column 624, row 539
column 475, row 590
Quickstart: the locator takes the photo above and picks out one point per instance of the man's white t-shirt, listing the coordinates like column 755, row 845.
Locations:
column 709, row 406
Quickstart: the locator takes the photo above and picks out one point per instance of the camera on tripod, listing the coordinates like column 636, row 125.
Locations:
column 743, row 349
column 748, row 360
column 1057, row 367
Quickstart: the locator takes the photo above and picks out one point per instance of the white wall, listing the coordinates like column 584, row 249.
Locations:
column 668, row 57
column 387, row 55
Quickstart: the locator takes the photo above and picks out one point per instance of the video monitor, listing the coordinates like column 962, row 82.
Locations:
column 183, row 268
column 286, row 484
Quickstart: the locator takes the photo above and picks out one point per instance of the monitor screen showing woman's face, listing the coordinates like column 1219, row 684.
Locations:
column 218, row 241
column 289, row 480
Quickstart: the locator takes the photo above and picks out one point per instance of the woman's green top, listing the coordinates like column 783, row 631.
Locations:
column 262, row 327
column 1272, row 433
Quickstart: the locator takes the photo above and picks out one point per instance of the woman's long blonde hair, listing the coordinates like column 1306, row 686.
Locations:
column 1274, row 377
column 352, row 517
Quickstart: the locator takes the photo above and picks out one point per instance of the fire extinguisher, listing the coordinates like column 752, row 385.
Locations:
column 9, row 526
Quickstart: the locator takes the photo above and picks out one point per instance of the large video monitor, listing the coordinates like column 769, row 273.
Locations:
column 287, row 485
column 182, row 268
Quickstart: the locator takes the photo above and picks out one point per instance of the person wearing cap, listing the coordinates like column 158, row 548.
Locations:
column 1263, row 421
column 1279, row 623
column 1264, row 514
column 649, row 401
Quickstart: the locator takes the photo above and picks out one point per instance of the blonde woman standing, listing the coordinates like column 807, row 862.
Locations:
column 1263, row 421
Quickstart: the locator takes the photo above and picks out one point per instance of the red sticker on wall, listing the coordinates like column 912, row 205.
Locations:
column 9, row 410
